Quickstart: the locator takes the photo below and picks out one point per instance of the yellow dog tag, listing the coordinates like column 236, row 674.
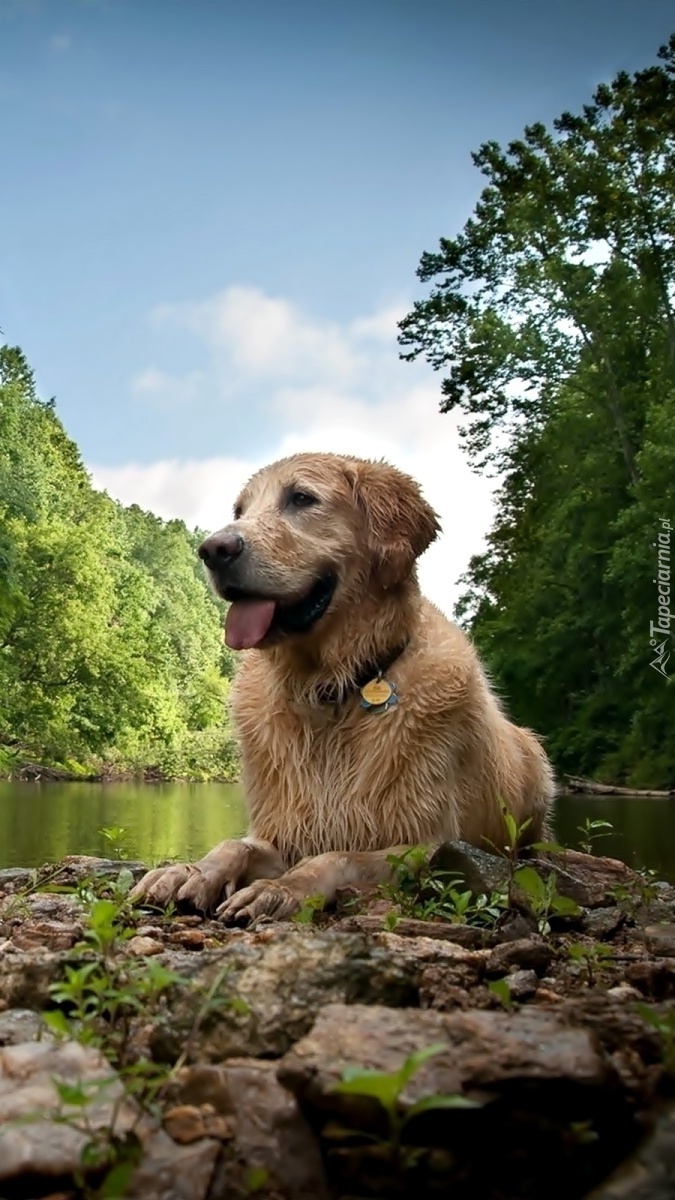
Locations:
column 377, row 692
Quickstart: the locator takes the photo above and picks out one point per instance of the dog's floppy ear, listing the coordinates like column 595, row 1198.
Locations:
column 400, row 522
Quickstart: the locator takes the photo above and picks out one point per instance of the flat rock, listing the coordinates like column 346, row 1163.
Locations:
column 528, row 1069
column 484, row 1050
column 471, row 936
column 587, row 879
column 271, row 1140
column 522, row 984
column 14, row 878
column 603, row 922
column 654, row 979
column 43, row 1147
column 532, row 954
column 649, row 1174
column 272, row 983
column 47, row 935
column 21, row 1025
column 26, row 976
column 37, row 1145
column 482, row 872
column 172, row 1172
column 16, row 911
column 144, row 947
column 660, row 940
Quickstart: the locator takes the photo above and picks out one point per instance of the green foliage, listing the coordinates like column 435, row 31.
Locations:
column 514, row 836
column 543, row 897
column 309, row 906
column 501, row 988
column 111, row 649
column 105, row 1151
column 419, row 892
column 664, row 1024
column 592, row 830
column 552, row 317
column 591, row 955
column 118, row 839
column 386, row 1089
column 256, row 1179
column 638, row 894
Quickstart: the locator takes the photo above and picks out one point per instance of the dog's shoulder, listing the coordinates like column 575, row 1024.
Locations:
column 440, row 668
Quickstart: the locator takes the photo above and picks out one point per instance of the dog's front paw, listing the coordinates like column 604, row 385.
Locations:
column 199, row 886
column 160, row 887
column 264, row 898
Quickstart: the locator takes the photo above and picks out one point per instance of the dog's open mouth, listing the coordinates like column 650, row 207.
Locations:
column 253, row 619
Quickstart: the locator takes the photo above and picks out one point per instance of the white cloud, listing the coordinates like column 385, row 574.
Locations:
column 327, row 387
column 265, row 337
column 60, row 43
column 167, row 391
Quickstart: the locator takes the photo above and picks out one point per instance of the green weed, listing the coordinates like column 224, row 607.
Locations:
column 310, row 906
column 421, row 893
column 591, row 831
column 591, row 955
column 386, row 1089
column 542, row 896
column 664, row 1024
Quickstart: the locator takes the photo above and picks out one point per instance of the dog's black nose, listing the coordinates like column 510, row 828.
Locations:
column 220, row 549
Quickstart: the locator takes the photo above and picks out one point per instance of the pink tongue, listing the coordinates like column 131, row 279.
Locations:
column 247, row 623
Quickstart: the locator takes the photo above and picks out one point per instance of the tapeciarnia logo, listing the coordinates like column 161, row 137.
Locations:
column 657, row 629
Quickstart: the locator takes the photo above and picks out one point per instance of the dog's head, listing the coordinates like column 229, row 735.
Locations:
column 309, row 532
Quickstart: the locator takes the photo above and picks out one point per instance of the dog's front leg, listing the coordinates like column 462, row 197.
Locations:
column 202, row 885
column 321, row 876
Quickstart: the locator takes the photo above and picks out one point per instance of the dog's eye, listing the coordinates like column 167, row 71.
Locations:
column 302, row 500
column 237, row 512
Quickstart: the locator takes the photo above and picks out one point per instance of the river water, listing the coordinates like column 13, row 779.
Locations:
column 41, row 823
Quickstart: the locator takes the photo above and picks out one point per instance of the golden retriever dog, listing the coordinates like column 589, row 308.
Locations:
column 366, row 722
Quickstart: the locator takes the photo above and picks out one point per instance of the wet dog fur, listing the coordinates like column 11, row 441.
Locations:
column 333, row 789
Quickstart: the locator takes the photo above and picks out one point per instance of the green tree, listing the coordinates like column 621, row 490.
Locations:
column 552, row 314
column 111, row 649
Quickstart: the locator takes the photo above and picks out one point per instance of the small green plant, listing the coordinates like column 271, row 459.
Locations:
column 633, row 896
column 591, row 955
column 409, row 870
column 419, row 892
column 591, row 831
column 664, row 1024
column 256, row 1179
column 502, row 990
column 99, row 995
column 310, row 906
column 582, row 1133
column 391, row 920
column 107, row 1153
column 513, row 835
column 118, row 839
column 106, row 926
column 543, row 897
column 647, row 886
column 102, row 999
column 386, row 1088
column 9, row 762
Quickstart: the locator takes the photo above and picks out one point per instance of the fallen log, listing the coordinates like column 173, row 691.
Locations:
column 576, row 786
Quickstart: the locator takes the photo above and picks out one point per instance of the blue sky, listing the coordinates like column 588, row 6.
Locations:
column 212, row 213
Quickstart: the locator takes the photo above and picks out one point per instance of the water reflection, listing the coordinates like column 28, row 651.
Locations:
column 43, row 822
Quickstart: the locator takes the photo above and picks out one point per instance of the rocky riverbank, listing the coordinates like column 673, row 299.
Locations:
column 368, row 1053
